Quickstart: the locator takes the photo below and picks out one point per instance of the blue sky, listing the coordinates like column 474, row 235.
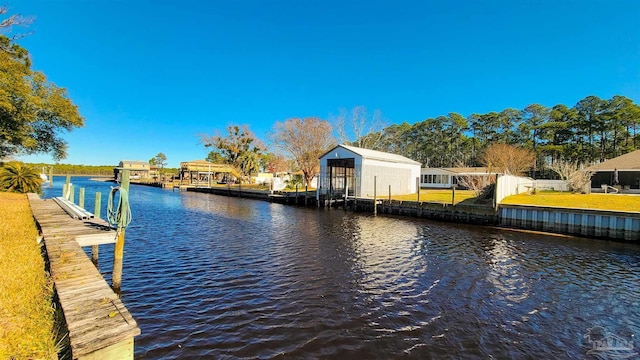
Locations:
column 149, row 76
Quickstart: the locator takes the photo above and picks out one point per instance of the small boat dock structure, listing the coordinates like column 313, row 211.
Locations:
column 100, row 326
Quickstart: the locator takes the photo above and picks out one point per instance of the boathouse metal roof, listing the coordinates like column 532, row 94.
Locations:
column 374, row 154
column 627, row 162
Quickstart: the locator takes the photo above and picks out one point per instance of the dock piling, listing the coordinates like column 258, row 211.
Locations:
column 96, row 214
column 116, row 277
column 375, row 196
column 81, row 198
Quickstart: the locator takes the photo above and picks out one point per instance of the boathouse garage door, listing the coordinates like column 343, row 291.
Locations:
column 341, row 176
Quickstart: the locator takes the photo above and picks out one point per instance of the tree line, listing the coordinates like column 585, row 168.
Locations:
column 591, row 131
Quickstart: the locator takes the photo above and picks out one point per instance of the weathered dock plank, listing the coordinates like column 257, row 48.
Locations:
column 100, row 326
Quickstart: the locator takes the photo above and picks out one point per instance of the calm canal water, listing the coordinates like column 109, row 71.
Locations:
column 208, row 276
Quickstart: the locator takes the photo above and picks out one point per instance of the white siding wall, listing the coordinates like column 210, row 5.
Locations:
column 401, row 177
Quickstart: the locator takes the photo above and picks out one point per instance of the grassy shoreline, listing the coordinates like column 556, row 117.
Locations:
column 27, row 318
column 606, row 202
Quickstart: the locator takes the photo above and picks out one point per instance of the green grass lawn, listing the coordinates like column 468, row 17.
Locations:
column 435, row 195
column 26, row 314
column 617, row 202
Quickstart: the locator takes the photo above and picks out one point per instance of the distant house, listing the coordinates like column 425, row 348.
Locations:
column 206, row 173
column 627, row 167
column 137, row 169
column 154, row 172
column 352, row 170
column 445, row 178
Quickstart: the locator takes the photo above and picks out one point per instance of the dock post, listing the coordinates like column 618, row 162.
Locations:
column 65, row 188
column 346, row 196
column 118, row 254
column 375, row 196
column 306, row 193
column 50, row 176
column 355, row 193
column 96, row 213
column 71, row 193
column 81, row 198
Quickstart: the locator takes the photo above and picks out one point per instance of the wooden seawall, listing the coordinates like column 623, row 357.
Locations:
column 100, row 326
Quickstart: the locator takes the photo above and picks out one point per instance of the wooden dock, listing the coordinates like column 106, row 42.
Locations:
column 100, row 326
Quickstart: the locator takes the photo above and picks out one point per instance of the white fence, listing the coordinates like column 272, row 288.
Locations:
column 508, row 185
column 557, row 185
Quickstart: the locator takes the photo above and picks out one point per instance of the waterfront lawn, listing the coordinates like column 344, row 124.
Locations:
column 26, row 314
column 616, row 202
column 435, row 195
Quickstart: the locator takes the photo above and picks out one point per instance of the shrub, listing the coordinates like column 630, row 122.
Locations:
column 20, row 178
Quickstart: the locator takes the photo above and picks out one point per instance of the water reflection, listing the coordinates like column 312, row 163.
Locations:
column 506, row 269
column 218, row 205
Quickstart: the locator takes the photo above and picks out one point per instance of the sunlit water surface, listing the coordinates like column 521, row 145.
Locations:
column 224, row 278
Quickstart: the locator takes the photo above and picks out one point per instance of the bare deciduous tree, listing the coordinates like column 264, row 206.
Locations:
column 507, row 159
column 475, row 183
column 305, row 140
column 571, row 172
column 6, row 25
column 357, row 128
column 276, row 163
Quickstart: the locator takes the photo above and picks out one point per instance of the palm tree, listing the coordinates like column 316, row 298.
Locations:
column 20, row 178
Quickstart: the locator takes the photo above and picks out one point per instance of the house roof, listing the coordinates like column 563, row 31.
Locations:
column 627, row 162
column 375, row 155
column 469, row 170
column 461, row 170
